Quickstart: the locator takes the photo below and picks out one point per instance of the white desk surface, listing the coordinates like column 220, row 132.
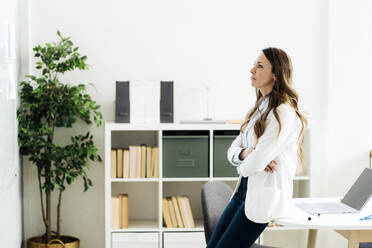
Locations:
column 299, row 218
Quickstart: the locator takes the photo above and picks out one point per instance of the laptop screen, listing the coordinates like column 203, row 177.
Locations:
column 361, row 190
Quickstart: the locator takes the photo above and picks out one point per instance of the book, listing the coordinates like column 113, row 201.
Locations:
column 166, row 216
column 126, row 163
column 182, row 211
column 172, row 212
column 148, row 162
column 189, row 211
column 177, row 210
column 143, row 161
column 115, row 206
column 138, row 161
column 119, row 163
column 151, row 173
column 187, row 216
column 132, row 157
column 123, row 199
column 156, row 162
column 113, row 163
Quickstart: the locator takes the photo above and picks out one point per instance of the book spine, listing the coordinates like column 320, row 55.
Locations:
column 113, row 163
column 188, row 205
column 115, row 212
column 123, row 210
column 119, row 163
column 177, row 210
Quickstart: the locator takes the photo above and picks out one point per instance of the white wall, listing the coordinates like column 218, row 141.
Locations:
column 349, row 97
column 10, row 169
column 191, row 42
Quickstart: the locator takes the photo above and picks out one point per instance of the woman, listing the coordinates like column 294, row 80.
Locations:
column 267, row 150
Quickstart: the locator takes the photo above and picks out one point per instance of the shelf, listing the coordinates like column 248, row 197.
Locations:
column 151, row 226
column 140, row 226
column 225, row 178
column 120, row 180
column 110, row 125
column 194, row 179
column 198, row 228
column 138, row 204
column 190, row 179
column 185, row 179
column 145, row 194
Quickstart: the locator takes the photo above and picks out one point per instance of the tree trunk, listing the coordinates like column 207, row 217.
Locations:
column 42, row 202
column 48, row 202
column 59, row 212
column 49, row 219
column 48, row 182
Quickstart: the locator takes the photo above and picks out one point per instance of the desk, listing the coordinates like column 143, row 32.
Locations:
column 348, row 225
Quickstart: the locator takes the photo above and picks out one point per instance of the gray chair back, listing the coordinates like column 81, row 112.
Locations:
column 215, row 195
column 365, row 245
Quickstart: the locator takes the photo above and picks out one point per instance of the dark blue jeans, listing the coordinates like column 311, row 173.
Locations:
column 234, row 229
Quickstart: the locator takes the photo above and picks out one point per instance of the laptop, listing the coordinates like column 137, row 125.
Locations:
column 353, row 201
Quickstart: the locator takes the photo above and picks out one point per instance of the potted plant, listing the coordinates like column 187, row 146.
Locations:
column 47, row 104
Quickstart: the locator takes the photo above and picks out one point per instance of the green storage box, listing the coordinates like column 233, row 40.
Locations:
column 221, row 142
column 185, row 153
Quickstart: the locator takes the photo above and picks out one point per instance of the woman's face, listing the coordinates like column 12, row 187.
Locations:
column 262, row 77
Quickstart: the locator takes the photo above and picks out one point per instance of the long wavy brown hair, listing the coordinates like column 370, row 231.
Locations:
column 282, row 92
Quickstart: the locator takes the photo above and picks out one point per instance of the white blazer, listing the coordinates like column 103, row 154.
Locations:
column 269, row 194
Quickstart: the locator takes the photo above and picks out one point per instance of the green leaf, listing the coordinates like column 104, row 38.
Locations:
column 46, row 104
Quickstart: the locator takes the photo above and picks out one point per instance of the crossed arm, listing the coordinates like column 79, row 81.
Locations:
column 242, row 153
column 262, row 156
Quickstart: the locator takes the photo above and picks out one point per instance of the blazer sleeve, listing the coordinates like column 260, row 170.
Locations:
column 269, row 145
column 234, row 151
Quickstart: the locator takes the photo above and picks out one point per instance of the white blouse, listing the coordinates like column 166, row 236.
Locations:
column 269, row 194
column 259, row 112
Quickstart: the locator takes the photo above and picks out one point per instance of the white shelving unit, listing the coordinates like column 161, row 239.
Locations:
column 145, row 194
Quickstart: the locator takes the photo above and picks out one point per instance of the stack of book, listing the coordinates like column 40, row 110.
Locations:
column 177, row 212
column 119, row 211
column 137, row 161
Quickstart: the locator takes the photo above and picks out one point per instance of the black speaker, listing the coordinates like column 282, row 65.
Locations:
column 122, row 111
column 166, row 102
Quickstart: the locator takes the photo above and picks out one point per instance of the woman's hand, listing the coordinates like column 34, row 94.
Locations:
column 244, row 153
column 271, row 166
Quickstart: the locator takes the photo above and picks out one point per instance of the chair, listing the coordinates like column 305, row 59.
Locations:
column 215, row 196
column 365, row 245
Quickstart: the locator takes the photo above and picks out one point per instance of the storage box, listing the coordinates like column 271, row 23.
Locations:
column 135, row 239
column 222, row 140
column 185, row 153
column 184, row 240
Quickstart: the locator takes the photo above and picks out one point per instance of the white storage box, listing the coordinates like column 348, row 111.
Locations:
column 135, row 240
column 184, row 240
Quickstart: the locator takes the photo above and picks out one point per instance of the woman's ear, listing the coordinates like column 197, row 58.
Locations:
column 274, row 77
